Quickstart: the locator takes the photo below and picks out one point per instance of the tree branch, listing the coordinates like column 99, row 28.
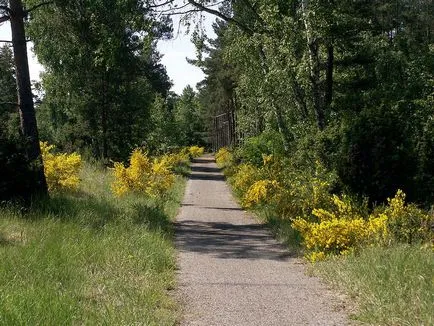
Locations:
column 7, row 9
column 160, row 5
column 217, row 13
column 4, row 19
column 9, row 103
column 183, row 12
column 5, row 41
column 38, row 5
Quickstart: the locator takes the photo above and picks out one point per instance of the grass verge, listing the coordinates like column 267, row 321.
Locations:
column 392, row 286
column 89, row 258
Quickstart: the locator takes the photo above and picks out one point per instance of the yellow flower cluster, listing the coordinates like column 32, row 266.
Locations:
column 170, row 161
column 245, row 177
column 224, row 157
column 407, row 223
column 261, row 191
column 343, row 229
column 61, row 170
column 152, row 177
column 196, row 151
column 296, row 194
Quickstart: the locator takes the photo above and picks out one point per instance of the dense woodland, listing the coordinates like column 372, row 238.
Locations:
column 346, row 83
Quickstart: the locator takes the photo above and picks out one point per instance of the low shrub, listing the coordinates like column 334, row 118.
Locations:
column 262, row 192
column 61, row 169
column 196, row 151
column 224, row 157
column 15, row 170
column 267, row 143
column 143, row 175
column 406, row 222
column 340, row 230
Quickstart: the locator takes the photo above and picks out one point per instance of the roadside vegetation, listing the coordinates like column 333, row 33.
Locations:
column 88, row 255
column 328, row 109
column 382, row 255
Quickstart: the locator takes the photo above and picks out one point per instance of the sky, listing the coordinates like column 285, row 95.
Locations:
column 174, row 53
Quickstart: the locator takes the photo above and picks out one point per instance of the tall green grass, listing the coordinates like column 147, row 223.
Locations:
column 392, row 286
column 89, row 258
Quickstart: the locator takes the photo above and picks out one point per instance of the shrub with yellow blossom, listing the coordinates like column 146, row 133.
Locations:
column 196, row 151
column 61, row 170
column 173, row 160
column 246, row 174
column 261, row 192
column 406, row 222
column 224, row 157
column 340, row 230
column 152, row 177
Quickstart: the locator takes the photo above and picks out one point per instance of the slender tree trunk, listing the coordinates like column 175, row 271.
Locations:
column 328, row 98
column 104, row 112
column 314, row 67
column 315, row 79
column 277, row 110
column 29, row 127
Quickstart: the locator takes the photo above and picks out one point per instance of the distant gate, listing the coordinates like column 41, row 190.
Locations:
column 224, row 134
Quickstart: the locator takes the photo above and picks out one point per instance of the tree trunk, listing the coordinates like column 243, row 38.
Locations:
column 277, row 110
column 314, row 67
column 329, row 77
column 29, row 127
column 104, row 116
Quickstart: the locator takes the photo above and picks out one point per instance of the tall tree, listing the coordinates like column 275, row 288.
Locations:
column 188, row 118
column 16, row 13
column 103, row 72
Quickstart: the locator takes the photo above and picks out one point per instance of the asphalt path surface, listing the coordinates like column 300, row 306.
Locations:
column 232, row 271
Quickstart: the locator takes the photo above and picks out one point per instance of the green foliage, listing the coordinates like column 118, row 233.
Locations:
column 8, row 93
column 102, row 74
column 349, row 85
column 254, row 148
column 89, row 258
column 328, row 224
column 188, row 119
column 392, row 286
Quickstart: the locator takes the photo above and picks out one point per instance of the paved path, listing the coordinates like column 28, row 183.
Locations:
column 232, row 272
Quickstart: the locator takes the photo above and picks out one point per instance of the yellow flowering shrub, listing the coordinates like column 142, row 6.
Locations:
column 61, row 170
column 245, row 176
column 196, row 151
column 224, row 157
column 406, row 222
column 340, row 230
column 261, row 192
column 152, row 177
column 171, row 161
column 300, row 191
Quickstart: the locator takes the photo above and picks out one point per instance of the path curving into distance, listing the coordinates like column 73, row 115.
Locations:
column 231, row 270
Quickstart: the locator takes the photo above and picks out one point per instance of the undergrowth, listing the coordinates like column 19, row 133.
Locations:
column 89, row 257
column 392, row 286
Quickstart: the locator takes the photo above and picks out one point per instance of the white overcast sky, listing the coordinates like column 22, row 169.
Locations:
column 175, row 52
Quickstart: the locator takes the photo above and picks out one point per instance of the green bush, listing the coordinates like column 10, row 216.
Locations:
column 267, row 143
column 15, row 172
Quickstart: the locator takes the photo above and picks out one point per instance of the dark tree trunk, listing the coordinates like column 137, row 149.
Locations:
column 315, row 77
column 104, row 117
column 29, row 127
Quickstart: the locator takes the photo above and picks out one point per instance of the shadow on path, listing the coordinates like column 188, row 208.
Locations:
column 226, row 240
